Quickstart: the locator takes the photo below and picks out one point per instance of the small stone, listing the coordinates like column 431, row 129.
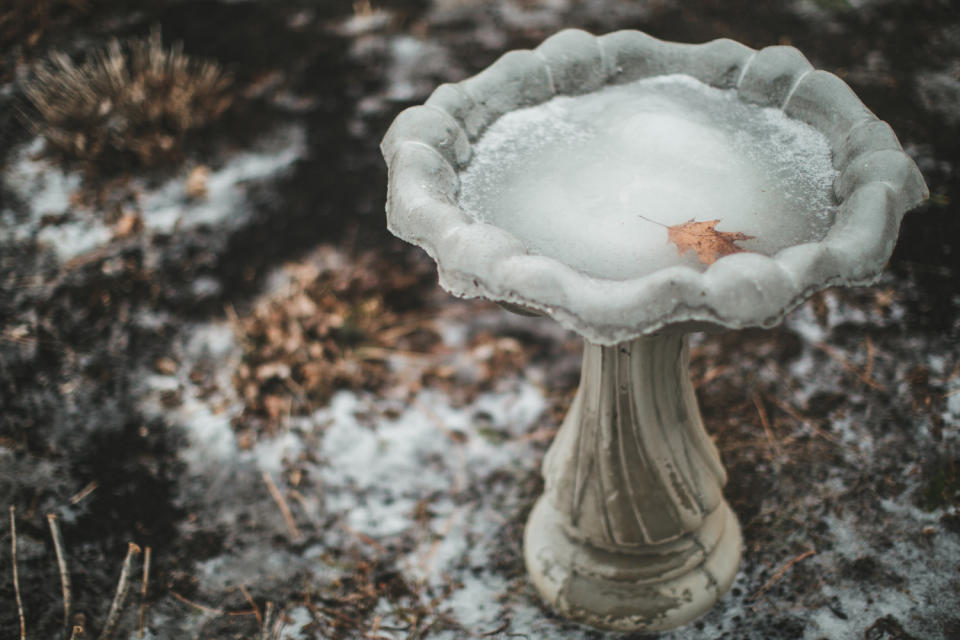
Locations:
column 196, row 187
column 165, row 365
column 128, row 224
column 273, row 370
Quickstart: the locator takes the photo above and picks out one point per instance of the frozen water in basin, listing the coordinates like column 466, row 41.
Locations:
column 581, row 178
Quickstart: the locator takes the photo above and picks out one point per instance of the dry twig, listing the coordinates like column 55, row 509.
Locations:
column 765, row 421
column 62, row 565
column 460, row 479
column 871, row 353
column 362, row 537
column 253, row 604
column 779, row 574
column 427, row 559
column 141, row 615
column 83, row 493
column 265, row 631
column 498, row 631
column 284, row 507
column 862, row 375
column 809, row 422
column 197, row 606
column 123, row 587
column 16, row 578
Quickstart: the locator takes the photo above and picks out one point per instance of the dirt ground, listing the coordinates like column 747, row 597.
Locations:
column 211, row 349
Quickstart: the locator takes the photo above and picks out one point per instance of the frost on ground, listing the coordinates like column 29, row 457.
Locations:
column 389, row 514
column 52, row 210
column 426, row 484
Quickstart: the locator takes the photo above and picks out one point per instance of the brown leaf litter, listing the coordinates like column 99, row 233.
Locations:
column 332, row 327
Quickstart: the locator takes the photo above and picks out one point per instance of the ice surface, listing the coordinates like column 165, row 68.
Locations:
column 592, row 180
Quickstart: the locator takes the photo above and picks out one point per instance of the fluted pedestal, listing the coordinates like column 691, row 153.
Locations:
column 632, row 532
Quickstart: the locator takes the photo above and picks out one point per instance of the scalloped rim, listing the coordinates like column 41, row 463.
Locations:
column 426, row 146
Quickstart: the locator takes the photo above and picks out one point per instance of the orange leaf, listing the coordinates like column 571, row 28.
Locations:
column 703, row 238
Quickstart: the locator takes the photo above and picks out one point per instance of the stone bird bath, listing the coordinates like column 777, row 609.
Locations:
column 553, row 182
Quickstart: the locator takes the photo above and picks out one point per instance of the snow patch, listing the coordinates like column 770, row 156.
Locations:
column 862, row 603
column 953, row 402
column 169, row 208
column 206, row 420
column 295, row 627
column 49, row 214
column 428, row 449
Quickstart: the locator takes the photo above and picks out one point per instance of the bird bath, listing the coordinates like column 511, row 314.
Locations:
column 636, row 190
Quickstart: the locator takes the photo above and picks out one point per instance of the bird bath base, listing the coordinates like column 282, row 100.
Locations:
column 632, row 532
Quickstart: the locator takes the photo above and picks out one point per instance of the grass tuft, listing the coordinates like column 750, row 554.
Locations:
column 129, row 101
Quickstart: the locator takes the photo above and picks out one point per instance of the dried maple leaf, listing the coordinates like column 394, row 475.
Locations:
column 703, row 238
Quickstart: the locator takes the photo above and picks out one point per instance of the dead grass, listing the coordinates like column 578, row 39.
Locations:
column 129, row 101
column 74, row 625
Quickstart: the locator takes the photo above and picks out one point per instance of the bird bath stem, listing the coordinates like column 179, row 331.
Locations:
column 632, row 530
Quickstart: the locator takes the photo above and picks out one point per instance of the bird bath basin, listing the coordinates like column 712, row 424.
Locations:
column 636, row 190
